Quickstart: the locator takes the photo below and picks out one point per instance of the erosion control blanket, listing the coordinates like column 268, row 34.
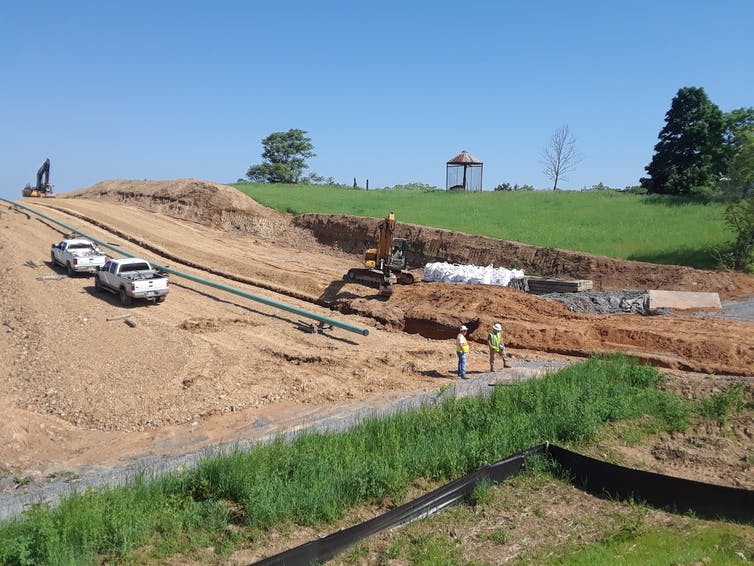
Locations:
column 599, row 478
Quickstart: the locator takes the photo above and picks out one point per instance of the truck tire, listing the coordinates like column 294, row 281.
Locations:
column 69, row 269
column 160, row 299
column 125, row 300
column 52, row 258
column 97, row 284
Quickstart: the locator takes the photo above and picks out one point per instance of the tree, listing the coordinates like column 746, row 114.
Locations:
column 740, row 180
column 691, row 151
column 739, row 216
column 285, row 155
column 738, row 124
column 560, row 156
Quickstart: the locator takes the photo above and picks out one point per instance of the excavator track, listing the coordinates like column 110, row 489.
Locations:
column 374, row 277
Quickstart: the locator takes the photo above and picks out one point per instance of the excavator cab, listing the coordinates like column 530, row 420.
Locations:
column 398, row 253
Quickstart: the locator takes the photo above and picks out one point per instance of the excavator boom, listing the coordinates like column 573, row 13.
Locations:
column 43, row 187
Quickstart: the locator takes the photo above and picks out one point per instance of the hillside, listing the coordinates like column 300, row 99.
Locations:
column 77, row 389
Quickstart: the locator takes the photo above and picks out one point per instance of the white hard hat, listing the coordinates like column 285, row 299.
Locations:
column 497, row 327
column 463, row 327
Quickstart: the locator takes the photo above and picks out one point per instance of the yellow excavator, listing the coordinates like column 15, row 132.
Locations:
column 43, row 187
column 384, row 265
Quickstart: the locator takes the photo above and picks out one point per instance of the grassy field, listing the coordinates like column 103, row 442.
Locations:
column 315, row 479
column 654, row 228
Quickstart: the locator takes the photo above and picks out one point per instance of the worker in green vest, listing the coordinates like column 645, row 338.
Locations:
column 495, row 342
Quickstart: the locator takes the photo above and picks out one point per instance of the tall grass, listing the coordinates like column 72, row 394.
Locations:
column 315, row 478
column 654, row 228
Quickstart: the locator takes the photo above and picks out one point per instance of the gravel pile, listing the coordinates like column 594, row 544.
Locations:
column 624, row 301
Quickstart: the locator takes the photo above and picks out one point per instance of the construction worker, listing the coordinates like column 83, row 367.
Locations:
column 495, row 342
column 462, row 349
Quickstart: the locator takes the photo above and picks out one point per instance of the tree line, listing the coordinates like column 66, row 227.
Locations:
column 702, row 152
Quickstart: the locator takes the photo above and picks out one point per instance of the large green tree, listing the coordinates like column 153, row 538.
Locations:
column 739, row 123
column 691, row 148
column 285, row 155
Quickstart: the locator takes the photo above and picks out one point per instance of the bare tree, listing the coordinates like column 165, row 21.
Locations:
column 560, row 156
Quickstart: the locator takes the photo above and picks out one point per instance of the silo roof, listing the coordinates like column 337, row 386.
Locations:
column 464, row 158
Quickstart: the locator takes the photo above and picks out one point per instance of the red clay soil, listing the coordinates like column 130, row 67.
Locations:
column 354, row 234
column 435, row 310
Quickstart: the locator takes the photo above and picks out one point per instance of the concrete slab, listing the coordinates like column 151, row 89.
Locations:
column 683, row 300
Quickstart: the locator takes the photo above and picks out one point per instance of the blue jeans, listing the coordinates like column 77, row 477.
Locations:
column 461, row 364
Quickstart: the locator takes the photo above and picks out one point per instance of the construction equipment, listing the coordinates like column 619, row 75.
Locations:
column 43, row 187
column 384, row 265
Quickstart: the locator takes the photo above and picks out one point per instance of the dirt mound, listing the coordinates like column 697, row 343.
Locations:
column 208, row 203
column 436, row 310
column 354, row 234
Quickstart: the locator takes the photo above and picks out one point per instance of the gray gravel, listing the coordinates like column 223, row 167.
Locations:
column 624, row 301
column 741, row 310
column 628, row 301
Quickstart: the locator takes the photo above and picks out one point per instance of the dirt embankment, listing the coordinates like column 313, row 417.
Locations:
column 206, row 366
column 293, row 258
column 354, row 234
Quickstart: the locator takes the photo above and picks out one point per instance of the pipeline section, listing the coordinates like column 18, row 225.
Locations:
column 324, row 320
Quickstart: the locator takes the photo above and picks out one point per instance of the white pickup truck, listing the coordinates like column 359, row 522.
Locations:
column 77, row 255
column 132, row 278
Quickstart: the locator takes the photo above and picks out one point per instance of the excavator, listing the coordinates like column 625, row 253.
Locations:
column 43, row 187
column 384, row 265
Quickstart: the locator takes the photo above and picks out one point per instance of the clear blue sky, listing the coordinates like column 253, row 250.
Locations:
column 388, row 91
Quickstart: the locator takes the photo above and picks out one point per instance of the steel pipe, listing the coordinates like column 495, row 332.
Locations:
column 276, row 304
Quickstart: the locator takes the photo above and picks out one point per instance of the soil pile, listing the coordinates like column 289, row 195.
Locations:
column 196, row 200
column 436, row 310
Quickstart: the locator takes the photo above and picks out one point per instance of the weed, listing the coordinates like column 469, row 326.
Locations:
column 66, row 475
column 430, row 550
column 481, row 494
column 631, row 526
column 720, row 406
column 499, row 536
column 22, row 481
column 748, row 459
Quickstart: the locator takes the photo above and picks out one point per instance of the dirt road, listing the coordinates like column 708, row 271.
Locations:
column 77, row 389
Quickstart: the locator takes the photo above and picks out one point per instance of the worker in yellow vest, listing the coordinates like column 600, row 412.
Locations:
column 462, row 349
column 495, row 342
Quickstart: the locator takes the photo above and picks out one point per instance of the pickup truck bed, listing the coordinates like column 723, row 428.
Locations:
column 77, row 255
column 132, row 278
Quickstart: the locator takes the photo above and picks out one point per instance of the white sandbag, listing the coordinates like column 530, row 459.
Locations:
column 453, row 273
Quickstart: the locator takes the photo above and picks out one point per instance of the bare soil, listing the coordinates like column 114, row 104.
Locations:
column 78, row 389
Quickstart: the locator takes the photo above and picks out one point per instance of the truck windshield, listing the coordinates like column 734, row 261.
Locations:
column 134, row 267
column 80, row 247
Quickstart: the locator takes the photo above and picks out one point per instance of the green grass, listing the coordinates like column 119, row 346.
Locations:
column 717, row 544
column 614, row 533
column 654, row 228
column 314, row 479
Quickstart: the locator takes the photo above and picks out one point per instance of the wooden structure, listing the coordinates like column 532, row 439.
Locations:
column 463, row 173
column 542, row 285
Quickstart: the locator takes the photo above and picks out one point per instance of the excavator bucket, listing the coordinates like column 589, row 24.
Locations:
column 385, row 290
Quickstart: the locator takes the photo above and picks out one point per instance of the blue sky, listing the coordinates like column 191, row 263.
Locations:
column 388, row 91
